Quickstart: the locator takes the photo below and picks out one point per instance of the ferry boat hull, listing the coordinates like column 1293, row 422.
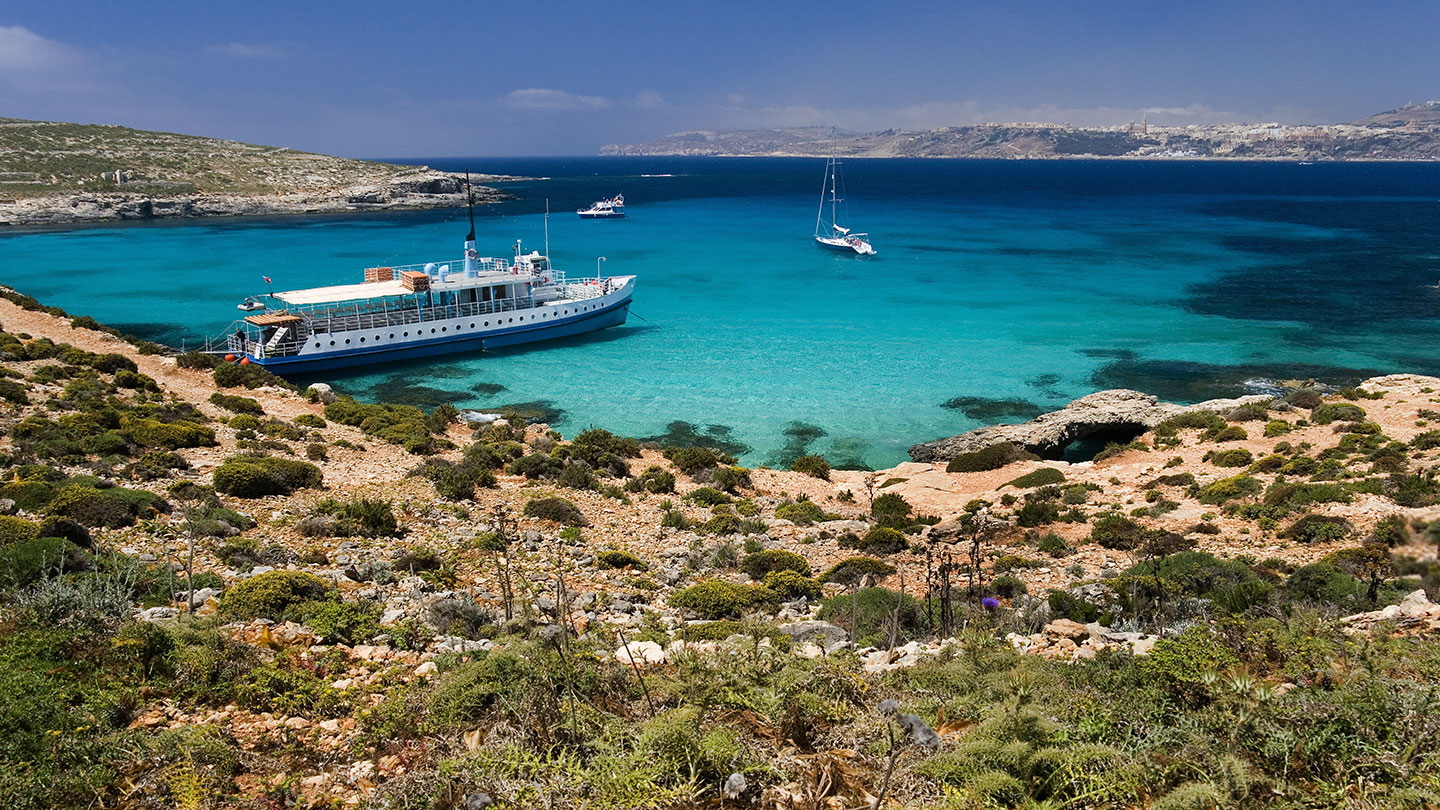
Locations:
column 470, row 333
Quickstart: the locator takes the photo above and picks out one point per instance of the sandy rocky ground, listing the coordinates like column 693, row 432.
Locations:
column 637, row 600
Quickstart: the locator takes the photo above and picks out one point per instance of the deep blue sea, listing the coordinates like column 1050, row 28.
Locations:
column 1000, row 288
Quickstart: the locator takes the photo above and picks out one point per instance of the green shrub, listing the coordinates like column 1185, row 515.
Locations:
column 1190, row 420
column 270, row 595
column 197, row 360
column 653, row 479
column 814, row 466
column 1115, row 531
column 1008, row 587
column 337, row 622
column 992, row 457
column 1181, row 663
column 1233, row 433
column 718, row 599
column 557, row 509
column 1039, row 478
column 1037, row 512
column 1235, row 457
column 708, row 496
column 15, row 530
column 111, row 508
column 360, row 517
column 13, row 392
column 310, row 420
column 258, row 476
column 536, row 466
column 891, row 510
column 615, row 558
column 801, row 513
column 1277, row 427
column 1054, row 545
column 788, row 585
column 578, row 475
column 730, row 479
column 1337, row 412
column 1226, row 489
column 851, row 570
column 690, row 460
column 870, row 613
column 759, row 564
column 24, row 562
column 237, row 404
column 169, row 436
column 882, row 540
column 244, row 421
column 1318, row 528
column 249, row 375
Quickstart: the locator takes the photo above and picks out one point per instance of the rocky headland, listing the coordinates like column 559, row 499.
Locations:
column 224, row 592
column 59, row 174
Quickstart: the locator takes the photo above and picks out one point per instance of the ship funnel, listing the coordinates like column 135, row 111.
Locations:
column 472, row 261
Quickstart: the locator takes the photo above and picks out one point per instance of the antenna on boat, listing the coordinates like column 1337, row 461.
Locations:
column 470, row 206
column 547, row 228
column 472, row 259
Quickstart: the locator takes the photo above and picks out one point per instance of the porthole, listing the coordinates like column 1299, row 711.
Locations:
column 443, row 328
column 332, row 343
column 362, row 340
column 347, row 341
column 487, row 323
column 432, row 330
column 472, row 325
column 392, row 335
column 405, row 334
column 317, row 344
column 512, row 320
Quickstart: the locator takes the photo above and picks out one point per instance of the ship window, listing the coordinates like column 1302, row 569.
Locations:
column 432, row 330
column 362, row 340
column 392, row 335
column 472, row 325
column 405, row 334
column 347, row 341
column 332, row 343
column 512, row 320
column 487, row 323
column 442, row 329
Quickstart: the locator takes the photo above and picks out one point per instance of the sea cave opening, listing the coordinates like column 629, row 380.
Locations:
column 1088, row 443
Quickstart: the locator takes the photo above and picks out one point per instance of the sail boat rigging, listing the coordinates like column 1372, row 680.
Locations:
column 830, row 234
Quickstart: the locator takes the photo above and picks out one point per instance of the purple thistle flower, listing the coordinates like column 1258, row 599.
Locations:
column 990, row 602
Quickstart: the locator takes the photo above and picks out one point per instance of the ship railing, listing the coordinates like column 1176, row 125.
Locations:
column 488, row 264
column 390, row 318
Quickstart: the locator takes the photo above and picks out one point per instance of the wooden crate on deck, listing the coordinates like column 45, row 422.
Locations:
column 415, row 281
column 378, row 274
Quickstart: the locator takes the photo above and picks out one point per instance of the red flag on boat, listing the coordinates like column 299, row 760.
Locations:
column 267, row 279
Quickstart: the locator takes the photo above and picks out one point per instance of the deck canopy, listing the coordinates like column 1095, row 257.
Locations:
column 343, row 292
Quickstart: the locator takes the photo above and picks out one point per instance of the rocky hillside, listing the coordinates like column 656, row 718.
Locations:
column 1410, row 133
column 58, row 173
column 222, row 592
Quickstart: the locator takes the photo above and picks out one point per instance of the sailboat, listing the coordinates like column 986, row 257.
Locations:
column 829, row 234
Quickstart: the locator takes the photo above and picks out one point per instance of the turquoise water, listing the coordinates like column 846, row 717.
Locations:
column 999, row 281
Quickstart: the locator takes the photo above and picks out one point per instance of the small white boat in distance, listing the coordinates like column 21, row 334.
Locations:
column 612, row 208
column 829, row 234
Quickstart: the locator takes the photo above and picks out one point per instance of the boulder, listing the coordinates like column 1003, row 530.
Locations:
column 1114, row 411
column 640, row 652
column 324, row 394
column 821, row 633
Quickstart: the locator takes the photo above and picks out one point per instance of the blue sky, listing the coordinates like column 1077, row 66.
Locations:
column 416, row 78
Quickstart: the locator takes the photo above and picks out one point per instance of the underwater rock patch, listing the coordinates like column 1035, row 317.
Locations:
column 685, row 434
column 989, row 409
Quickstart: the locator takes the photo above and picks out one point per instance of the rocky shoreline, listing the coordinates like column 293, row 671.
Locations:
column 342, row 604
column 420, row 188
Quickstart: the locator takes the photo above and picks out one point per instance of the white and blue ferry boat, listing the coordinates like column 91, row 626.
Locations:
column 424, row 310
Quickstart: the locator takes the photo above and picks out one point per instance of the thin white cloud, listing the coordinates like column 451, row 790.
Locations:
column 536, row 98
column 648, row 100
column 246, row 50
column 24, row 51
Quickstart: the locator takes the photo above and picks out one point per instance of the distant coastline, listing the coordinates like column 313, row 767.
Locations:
column 1410, row 133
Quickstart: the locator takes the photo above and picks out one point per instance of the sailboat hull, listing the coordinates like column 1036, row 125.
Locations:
column 854, row 247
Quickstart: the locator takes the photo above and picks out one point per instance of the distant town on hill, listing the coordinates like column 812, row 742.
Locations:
column 1411, row 132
